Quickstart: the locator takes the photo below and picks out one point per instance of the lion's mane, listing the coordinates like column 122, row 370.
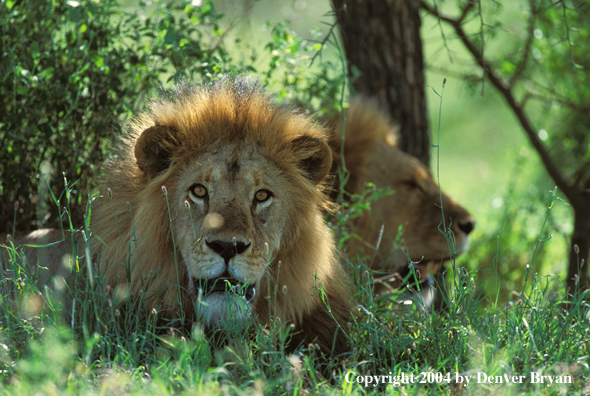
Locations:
column 131, row 220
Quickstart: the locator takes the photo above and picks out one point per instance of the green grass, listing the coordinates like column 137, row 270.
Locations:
column 111, row 346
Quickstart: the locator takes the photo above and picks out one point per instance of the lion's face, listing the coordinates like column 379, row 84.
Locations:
column 239, row 190
column 416, row 209
column 409, row 224
column 232, row 207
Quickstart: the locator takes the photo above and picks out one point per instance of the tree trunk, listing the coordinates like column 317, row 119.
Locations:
column 382, row 40
column 577, row 274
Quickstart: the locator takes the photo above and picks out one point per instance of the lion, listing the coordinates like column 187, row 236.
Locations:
column 215, row 204
column 415, row 207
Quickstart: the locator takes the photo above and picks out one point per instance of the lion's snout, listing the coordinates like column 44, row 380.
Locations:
column 228, row 249
column 467, row 225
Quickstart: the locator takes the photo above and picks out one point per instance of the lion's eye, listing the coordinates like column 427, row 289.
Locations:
column 412, row 184
column 262, row 195
column 198, row 191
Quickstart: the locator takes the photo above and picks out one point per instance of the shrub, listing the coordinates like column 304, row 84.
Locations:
column 71, row 71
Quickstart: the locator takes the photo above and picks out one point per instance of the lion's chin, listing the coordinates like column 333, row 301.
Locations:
column 219, row 308
column 462, row 247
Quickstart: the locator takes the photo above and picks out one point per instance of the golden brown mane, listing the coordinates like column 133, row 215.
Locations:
column 365, row 126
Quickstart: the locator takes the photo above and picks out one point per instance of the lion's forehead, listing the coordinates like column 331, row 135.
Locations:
column 416, row 200
column 230, row 162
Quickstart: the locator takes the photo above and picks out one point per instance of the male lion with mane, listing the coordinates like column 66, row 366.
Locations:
column 371, row 155
column 216, row 200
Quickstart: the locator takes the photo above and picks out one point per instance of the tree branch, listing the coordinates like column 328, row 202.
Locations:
column 505, row 89
column 483, row 42
column 323, row 42
column 567, row 33
column 442, row 33
column 466, row 10
column 527, row 47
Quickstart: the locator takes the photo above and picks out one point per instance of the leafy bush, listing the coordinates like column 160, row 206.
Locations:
column 291, row 70
column 71, row 71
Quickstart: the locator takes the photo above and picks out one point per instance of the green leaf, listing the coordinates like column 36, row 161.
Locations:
column 507, row 67
column 46, row 74
column 97, row 60
column 170, row 36
column 35, row 49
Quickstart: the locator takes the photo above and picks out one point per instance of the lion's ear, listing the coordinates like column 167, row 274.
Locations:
column 314, row 157
column 154, row 149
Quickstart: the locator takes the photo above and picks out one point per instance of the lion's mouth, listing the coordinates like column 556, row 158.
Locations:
column 226, row 284
column 426, row 267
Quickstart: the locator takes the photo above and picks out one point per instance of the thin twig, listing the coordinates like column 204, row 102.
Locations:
column 448, row 72
column 442, row 33
column 323, row 42
column 231, row 26
column 559, row 99
column 567, row 33
column 496, row 28
column 466, row 10
column 482, row 38
column 527, row 47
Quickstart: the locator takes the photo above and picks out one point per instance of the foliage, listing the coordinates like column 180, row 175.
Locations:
column 553, row 68
column 545, row 86
column 290, row 69
column 71, row 71
column 518, row 220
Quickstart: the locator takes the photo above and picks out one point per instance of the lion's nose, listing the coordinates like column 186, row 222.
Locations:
column 467, row 226
column 228, row 249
